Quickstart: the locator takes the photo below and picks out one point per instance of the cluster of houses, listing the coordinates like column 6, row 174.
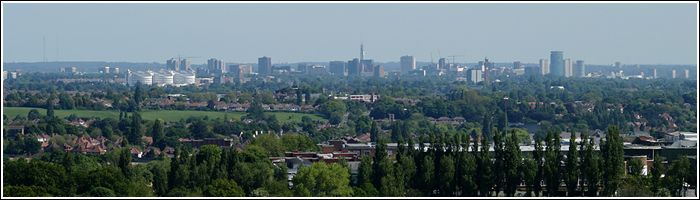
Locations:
column 101, row 145
column 223, row 106
column 447, row 120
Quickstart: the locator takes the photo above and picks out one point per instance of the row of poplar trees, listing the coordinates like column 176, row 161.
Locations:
column 457, row 166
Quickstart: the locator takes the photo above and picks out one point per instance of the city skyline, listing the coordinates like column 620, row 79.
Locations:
column 318, row 32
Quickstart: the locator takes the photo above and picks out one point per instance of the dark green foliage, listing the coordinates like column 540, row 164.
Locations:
column 364, row 173
column 590, row 167
column 135, row 129
column 223, row 188
column 614, row 164
column 512, row 164
column 200, row 129
column 158, row 133
column 484, row 167
column 552, row 157
column 322, row 180
column 101, row 192
column 33, row 114
column 634, row 167
column 678, row 174
column 657, row 169
column 572, row 166
column 529, row 172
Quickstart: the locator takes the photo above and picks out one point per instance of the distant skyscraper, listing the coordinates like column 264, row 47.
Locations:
column 264, row 65
column 216, row 66
column 673, row 73
column 516, row 65
column 442, row 63
column 173, row 64
column 579, row 69
column 379, row 71
column 337, row 68
column 185, row 65
column 368, row 66
column 532, row 71
column 239, row 71
column 243, row 68
column 408, row 63
column 116, row 70
column 687, row 73
column 485, row 70
column 475, row 75
column 105, row 70
column 557, row 66
column 544, row 66
column 354, row 67
column 654, row 73
column 618, row 64
column 568, row 68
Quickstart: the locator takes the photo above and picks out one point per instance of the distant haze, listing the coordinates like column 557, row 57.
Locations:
column 596, row 33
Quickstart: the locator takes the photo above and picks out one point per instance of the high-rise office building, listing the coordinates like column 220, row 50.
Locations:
column 517, row 65
column 408, row 63
column 687, row 73
column 379, row 71
column 654, row 73
column 568, row 68
column 544, row 66
column 216, row 66
column 173, row 64
column 368, row 66
column 185, row 65
column 579, row 69
column 475, row 75
column 116, row 70
column 618, row 64
column 673, row 73
column 442, row 63
column 264, row 65
column 239, row 72
column 337, row 68
column 532, row 71
column 557, row 66
column 354, row 67
column 485, row 70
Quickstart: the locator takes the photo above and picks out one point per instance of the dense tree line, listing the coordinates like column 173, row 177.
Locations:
column 439, row 97
column 454, row 165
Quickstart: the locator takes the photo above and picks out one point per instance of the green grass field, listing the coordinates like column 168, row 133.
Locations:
column 167, row 115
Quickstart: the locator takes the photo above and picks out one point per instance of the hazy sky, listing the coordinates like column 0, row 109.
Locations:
column 596, row 33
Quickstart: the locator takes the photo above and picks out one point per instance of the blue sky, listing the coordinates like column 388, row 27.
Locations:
column 597, row 33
